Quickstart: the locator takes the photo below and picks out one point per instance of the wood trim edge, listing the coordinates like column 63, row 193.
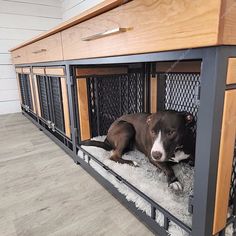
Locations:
column 153, row 95
column 83, row 109
column 38, row 106
column 65, row 107
column 226, row 154
column 231, row 72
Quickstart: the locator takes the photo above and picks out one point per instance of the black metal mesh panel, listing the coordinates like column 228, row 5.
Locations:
column 233, row 180
column 28, row 92
column 43, row 97
column 93, row 106
column 182, row 92
column 22, row 88
column 111, row 96
column 25, row 90
column 57, row 102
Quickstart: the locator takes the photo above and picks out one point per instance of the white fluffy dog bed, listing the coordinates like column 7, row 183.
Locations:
column 150, row 181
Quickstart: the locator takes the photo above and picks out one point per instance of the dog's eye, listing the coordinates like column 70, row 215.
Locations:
column 170, row 132
column 153, row 132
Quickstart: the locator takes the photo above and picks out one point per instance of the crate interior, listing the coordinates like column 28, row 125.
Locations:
column 142, row 87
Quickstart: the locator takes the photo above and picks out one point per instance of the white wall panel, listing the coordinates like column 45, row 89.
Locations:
column 75, row 7
column 68, row 4
column 7, row 71
column 9, row 95
column 27, row 9
column 8, row 84
column 22, row 34
column 6, row 44
column 5, row 58
column 27, row 22
column 9, row 107
column 56, row 3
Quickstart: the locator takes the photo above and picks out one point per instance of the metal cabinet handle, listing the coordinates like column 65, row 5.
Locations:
column 105, row 33
column 18, row 56
column 39, row 51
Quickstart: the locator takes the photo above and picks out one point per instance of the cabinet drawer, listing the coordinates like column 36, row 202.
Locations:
column 144, row 26
column 48, row 49
column 19, row 56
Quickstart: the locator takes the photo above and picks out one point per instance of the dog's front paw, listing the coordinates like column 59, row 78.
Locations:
column 176, row 186
column 135, row 164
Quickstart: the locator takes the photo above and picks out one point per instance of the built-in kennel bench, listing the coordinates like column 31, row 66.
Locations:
column 143, row 56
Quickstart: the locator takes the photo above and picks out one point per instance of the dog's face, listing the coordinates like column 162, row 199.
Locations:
column 167, row 130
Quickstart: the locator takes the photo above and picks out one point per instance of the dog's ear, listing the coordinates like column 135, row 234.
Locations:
column 189, row 118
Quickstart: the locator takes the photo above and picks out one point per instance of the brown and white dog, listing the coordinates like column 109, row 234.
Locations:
column 163, row 137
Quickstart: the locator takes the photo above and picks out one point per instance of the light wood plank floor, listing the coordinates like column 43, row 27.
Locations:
column 42, row 191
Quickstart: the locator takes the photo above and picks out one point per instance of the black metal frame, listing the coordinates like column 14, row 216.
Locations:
column 213, row 84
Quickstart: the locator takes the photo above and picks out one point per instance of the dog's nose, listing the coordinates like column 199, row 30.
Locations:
column 157, row 155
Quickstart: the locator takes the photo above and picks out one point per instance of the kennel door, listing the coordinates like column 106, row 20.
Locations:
column 59, row 99
column 53, row 98
column 43, row 93
column 26, row 90
column 59, row 104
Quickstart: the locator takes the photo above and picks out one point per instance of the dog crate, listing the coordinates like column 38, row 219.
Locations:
column 100, row 90
column 104, row 93
column 52, row 99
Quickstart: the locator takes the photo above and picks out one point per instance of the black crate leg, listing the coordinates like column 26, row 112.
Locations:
column 71, row 110
column 213, row 76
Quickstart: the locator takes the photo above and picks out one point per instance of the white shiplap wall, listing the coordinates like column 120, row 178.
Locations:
column 72, row 8
column 20, row 20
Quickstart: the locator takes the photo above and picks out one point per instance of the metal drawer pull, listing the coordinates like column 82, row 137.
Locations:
column 106, row 33
column 39, row 51
column 18, row 56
